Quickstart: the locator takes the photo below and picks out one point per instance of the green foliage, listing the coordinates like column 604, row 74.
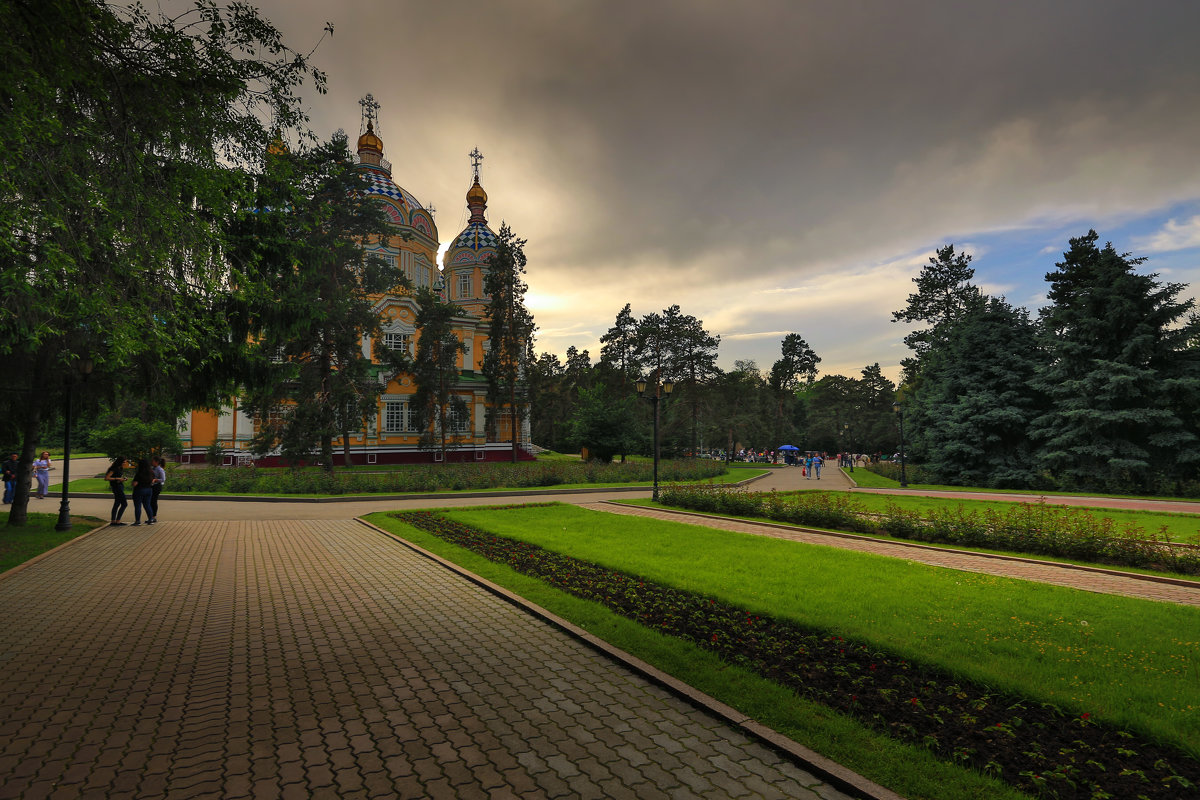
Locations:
column 126, row 138
column 602, row 423
column 134, row 439
column 435, row 478
column 301, row 246
column 944, row 292
column 1035, row 529
column 975, row 402
column 435, row 371
column 510, row 333
column 1122, row 374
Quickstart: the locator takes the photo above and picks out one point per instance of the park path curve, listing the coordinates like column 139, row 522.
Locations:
column 269, row 658
column 1179, row 591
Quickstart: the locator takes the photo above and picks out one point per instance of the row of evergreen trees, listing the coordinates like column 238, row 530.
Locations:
column 1101, row 391
column 577, row 404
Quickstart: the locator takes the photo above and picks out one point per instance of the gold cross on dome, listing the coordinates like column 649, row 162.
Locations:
column 476, row 157
column 370, row 109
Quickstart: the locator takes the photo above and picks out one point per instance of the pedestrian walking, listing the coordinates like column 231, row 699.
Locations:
column 116, row 482
column 41, row 472
column 11, row 464
column 158, row 469
column 143, row 490
column 808, row 468
column 816, row 464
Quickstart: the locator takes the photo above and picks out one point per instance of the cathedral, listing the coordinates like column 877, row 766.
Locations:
column 412, row 246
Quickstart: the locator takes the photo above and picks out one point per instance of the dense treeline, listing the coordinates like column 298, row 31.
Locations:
column 1098, row 391
column 577, row 404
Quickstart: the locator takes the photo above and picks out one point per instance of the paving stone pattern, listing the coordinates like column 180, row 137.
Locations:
column 316, row 659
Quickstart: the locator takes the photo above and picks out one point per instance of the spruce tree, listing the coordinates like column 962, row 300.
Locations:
column 975, row 401
column 510, row 334
column 1120, row 374
column 435, row 371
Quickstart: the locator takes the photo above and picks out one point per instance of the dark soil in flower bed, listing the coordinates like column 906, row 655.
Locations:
column 1033, row 746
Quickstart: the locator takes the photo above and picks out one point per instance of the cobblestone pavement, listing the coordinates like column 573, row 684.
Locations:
column 1104, row 581
column 321, row 659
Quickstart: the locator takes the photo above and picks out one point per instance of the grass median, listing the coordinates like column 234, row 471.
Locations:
column 19, row 544
column 1124, row 661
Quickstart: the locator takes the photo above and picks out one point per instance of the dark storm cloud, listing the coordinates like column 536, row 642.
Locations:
column 684, row 143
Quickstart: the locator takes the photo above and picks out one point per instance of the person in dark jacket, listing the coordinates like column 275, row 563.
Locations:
column 10, row 477
column 143, row 492
column 116, row 481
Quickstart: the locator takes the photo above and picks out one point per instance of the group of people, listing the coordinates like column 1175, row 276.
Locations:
column 41, row 474
column 149, row 477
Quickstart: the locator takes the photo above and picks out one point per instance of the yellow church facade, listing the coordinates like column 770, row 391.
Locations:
column 412, row 246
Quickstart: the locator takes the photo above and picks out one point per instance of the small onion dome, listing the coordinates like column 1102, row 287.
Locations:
column 476, row 195
column 277, row 146
column 369, row 141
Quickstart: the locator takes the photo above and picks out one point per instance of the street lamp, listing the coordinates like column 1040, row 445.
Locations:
column 900, row 420
column 64, row 506
column 660, row 390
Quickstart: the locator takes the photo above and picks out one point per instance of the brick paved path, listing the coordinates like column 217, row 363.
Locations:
column 321, row 659
column 1104, row 581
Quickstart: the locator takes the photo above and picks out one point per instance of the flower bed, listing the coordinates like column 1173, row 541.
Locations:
column 1034, row 746
column 433, row 478
column 1033, row 528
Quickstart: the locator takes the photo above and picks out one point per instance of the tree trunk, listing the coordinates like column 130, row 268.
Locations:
column 512, row 405
column 18, row 515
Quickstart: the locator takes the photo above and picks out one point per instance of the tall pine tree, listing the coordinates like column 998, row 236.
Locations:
column 510, row 334
column 1120, row 375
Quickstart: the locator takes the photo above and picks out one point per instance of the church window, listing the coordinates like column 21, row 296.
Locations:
column 397, row 417
column 398, row 341
column 464, row 284
column 460, row 420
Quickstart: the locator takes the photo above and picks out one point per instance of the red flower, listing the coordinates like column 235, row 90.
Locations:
column 1085, row 715
column 872, row 667
column 914, row 701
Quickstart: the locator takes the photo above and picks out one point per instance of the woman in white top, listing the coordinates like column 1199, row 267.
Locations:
column 41, row 471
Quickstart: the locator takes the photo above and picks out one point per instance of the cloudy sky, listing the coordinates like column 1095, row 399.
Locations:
column 777, row 166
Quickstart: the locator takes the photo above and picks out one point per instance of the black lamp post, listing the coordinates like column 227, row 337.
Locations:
column 64, row 506
column 660, row 390
column 900, row 420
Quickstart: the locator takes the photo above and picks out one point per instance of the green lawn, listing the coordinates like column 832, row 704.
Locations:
column 18, row 545
column 1131, row 662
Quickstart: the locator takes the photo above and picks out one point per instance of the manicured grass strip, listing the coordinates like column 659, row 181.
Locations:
column 19, row 544
column 1127, row 661
column 911, row 771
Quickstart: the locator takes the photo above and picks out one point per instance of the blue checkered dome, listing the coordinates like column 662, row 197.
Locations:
column 380, row 183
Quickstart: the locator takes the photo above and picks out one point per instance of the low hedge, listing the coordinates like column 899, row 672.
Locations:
column 1031, row 528
column 421, row 478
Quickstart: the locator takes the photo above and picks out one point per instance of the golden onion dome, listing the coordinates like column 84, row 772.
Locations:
column 369, row 141
column 476, row 194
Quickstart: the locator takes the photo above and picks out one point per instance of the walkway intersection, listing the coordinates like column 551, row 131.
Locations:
column 279, row 649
